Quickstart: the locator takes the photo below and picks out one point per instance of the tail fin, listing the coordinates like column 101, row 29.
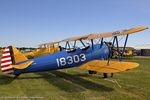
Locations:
column 18, row 56
column 10, row 57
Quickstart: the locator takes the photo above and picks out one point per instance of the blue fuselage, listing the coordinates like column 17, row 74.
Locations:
column 64, row 59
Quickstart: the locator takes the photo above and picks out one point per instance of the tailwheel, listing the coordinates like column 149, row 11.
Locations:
column 92, row 72
column 108, row 75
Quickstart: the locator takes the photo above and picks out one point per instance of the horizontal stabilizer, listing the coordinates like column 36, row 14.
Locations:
column 23, row 65
column 113, row 67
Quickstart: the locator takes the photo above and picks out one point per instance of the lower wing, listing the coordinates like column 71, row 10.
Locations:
column 113, row 67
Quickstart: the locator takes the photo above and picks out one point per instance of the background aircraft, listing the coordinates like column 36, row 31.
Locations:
column 94, row 57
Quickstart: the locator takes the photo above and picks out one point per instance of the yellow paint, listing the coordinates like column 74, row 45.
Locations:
column 22, row 66
column 42, row 52
column 18, row 56
column 113, row 67
column 106, row 35
column 129, row 53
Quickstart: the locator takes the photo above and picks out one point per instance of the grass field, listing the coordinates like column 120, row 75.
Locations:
column 76, row 84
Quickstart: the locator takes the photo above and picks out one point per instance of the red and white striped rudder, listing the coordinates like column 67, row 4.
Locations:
column 6, row 62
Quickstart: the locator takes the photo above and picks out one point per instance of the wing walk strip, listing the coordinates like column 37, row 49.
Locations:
column 6, row 62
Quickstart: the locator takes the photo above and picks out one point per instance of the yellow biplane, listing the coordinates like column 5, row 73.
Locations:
column 44, row 49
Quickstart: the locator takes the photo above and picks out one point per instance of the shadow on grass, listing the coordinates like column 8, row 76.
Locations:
column 63, row 81
column 72, row 83
column 4, row 79
column 96, row 76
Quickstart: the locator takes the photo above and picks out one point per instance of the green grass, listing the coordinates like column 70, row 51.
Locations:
column 76, row 84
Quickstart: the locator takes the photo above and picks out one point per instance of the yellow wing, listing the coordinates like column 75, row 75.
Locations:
column 75, row 38
column 107, row 34
column 117, row 33
column 113, row 67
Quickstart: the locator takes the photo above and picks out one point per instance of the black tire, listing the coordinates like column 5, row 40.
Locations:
column 108, row 75
column 92, row 72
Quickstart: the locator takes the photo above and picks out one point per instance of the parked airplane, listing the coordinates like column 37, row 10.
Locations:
column 94, row 57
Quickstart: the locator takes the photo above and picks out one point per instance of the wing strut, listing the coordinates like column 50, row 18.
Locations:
column 92, row 43
column 118, row 47
column 74, row 43
column 67, row 45
column 111, row 50
column 82, row 43
column 124, row 46
column 101, row 43
column 120, row 55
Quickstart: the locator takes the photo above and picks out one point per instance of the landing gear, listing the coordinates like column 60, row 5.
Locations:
column 92, row 72
column 105, row 75
column 108, row 75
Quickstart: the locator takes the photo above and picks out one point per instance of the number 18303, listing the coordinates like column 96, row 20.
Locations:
column 71, row 59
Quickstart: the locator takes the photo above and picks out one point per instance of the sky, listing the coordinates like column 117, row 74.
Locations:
column 32, row 22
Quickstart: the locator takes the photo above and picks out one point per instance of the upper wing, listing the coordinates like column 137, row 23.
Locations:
column 75, row 38
column 108, row 34
column 117, row 33
column 113, row 67
column 99, row 35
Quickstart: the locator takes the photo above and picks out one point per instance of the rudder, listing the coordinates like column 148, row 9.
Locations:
column 7, row 61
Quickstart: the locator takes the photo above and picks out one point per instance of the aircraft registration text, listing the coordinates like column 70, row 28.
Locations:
column 71, row 59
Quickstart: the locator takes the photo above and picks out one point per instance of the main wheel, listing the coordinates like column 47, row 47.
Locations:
column 108, row 75
column 92, row 72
